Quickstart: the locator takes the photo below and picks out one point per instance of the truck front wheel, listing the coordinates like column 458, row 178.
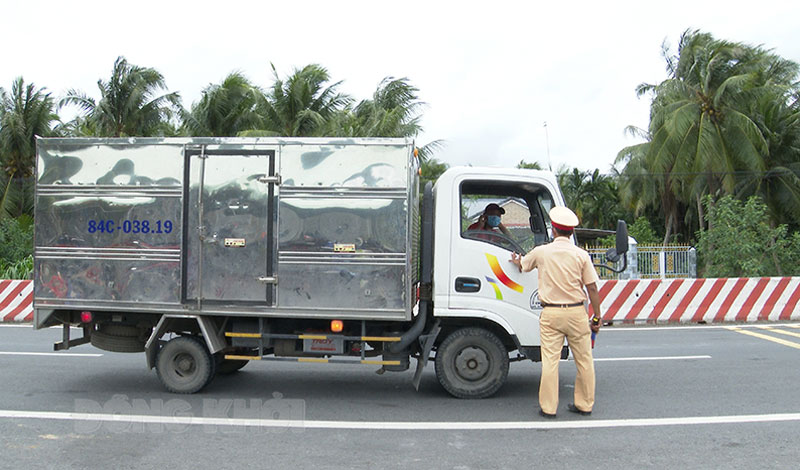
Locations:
column 472, row 363
column 184, row 365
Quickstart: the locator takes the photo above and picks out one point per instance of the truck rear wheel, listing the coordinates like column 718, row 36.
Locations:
column 184, row 365
column 472, row 363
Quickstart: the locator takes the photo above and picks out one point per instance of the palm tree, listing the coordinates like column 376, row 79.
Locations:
column 593, row 197
column 24, row 114
column 301, row 105
column 225, row 109
column 703, row 133
column 779, row 186
column 130, row 103
column 393, row 111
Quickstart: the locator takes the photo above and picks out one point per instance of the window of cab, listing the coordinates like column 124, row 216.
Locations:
column 522, row 209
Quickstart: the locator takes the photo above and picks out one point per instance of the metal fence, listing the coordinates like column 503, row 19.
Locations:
column 650, row 262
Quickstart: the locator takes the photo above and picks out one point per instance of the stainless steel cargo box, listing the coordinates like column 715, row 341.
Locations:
column 309, row 228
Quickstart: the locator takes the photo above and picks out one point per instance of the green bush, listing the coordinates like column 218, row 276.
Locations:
column 16, row 239
column 16, row 248
column 741, row 243
column 22, row 269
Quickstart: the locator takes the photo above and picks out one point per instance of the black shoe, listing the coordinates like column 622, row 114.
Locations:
column 546, row 415
column 573, row 409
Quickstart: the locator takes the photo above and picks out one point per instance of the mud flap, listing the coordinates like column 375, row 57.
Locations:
column 426, row 345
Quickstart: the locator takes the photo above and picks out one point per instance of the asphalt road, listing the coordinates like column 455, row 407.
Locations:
column 685, row 397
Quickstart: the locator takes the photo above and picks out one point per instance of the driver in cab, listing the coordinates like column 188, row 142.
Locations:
column 489, row 221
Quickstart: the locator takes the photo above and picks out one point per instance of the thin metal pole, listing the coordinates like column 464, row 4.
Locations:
column 547, row 142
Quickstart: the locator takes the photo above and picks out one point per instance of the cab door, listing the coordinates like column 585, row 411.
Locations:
column 481, row 275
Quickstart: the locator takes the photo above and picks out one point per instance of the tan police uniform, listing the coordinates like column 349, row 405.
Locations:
column 564, row 270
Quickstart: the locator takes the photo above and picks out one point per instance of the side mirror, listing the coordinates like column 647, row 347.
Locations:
column 622, row 238
column 614, row 254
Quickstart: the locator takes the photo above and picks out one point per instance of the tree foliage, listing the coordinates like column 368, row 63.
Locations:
column 592, row 196
column 130, row 104
column 725, row 117
column 24, row 113
column 225, row 109
column 741, row 243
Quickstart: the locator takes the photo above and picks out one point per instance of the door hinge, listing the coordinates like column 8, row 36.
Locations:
column 268, row 279
column 270, row 179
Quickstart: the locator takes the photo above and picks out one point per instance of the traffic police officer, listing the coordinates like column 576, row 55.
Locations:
column 564, row 271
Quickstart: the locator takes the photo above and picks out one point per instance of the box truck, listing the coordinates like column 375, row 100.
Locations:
column 207, row 253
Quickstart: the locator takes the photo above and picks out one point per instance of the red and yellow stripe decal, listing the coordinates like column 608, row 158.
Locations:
column 498, row 271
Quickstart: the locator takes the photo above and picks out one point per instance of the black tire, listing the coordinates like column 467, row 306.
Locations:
column 184, row 365
column 229, row 366
column 472, row 363
column 114, row 343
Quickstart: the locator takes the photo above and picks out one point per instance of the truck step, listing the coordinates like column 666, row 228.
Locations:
column 387, row 339
column 320, row 360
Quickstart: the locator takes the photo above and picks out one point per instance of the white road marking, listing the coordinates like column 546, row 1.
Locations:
column 20, row 353
column 697, row 327
column 401, row 425
column 651, row 358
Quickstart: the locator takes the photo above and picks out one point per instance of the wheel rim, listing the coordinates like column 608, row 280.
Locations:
column 184, row 365
column 472, row 363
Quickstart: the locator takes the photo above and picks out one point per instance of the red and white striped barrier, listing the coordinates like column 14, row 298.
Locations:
column 635, row 300
column 701, row 300
column 16, row 300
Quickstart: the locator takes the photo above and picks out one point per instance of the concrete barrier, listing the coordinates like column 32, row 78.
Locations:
column 701, row 300
column 16, row 300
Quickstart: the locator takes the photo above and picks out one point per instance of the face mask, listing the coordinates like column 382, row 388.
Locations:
column 493, row 220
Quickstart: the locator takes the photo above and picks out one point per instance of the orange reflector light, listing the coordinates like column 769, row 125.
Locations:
column 416, row 152
column 86, row 317
column 337, row 326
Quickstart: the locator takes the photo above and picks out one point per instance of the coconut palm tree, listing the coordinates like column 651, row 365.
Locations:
column 705, row 134
column 225, row 109
column 130, row 103
column 24, row 113
column 779, row 185
column 301, row 105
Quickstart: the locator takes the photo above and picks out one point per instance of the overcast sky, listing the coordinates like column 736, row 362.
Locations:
column 491, row 72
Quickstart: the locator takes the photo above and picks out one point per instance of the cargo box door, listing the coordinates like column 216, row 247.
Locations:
column 230, row 223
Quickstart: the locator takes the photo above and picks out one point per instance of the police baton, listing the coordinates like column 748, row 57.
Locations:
column 595, row 321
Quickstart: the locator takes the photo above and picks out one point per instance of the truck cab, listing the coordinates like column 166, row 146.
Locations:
column 472, row 274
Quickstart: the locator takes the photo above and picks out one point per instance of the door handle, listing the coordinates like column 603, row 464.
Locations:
column 468, row 284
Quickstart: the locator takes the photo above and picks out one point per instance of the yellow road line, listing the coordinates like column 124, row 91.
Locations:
column 782, row 332
column 791, row 344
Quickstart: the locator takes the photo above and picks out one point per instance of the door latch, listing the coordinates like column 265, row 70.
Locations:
column 270, row 179
column 268, row 279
